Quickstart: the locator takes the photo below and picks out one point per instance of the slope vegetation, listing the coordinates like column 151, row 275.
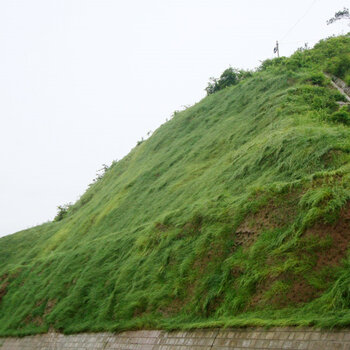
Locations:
column 235, row 212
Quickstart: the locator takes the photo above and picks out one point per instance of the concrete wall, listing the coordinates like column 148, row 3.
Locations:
column 342, row 85
column 238, row 339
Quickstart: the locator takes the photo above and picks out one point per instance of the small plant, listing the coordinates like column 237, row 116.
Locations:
column 318, row 78
column 275, row 62
column 339, row 66
column 341, row 116
column 62, row 211
column 230, row 76
column 347, row 79
column 100, row 173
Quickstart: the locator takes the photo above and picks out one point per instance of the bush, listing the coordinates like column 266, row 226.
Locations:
column 318, row 78
column 347, row 79
column 274, row 62
column 297, row 60
column 62, row 211
column 341, row 116
column 338, row 96
column 339, row 66
column 230, row 76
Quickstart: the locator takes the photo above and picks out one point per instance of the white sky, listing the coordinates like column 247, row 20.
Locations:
column 82, row 80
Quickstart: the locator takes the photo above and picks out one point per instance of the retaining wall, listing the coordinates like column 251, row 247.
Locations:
column 238, row 339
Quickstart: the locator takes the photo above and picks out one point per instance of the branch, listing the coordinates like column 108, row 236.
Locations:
column 344, row 14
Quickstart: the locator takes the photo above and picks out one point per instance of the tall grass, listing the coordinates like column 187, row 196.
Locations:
column 157, row 241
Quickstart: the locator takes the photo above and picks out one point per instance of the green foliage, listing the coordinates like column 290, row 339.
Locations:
column 318, row 78
column 229, row 77
column 341, row 116
column 339, row 66
column 207, row 223
column 62, row 211
column 323, row 204
column 347, row 79
column 338, row 296
column 330, row 55
column 271, row 63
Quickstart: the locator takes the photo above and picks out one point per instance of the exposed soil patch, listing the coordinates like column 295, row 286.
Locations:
column 276, row 214
column 332, row 157
column 38, row 320
column 4, row 283
column 339, row 232
column 245, row 238
column 299, row 290
column 175, row 306
column 49, row 306
column 214, row 252
column 178, row 303
column 161, row 227
column 213, row 255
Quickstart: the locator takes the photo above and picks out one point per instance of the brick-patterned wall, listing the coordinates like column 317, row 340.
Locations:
column 237, row 339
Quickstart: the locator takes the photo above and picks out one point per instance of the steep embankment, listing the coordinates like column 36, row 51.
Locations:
column 234, row 212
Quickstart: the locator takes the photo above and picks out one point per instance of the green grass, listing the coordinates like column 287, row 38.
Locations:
column 160, row 241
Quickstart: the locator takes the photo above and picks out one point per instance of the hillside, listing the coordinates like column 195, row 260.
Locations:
column 235, row 212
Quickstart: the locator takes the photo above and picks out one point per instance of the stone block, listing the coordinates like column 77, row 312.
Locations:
column 288, row 344
column 334, row 345
column 307, row 335
column 224, row 334
column 291, row 335
column 202, row 334
column 316, row 345
column 303, row 345
column 276, row 344
column 247, row 343
column 282, row 335
column 336, row 336
column 262, row 343
column 299, row 335
column 253, row 335
column 226, row 342
column 315, row 336
column 198, row 341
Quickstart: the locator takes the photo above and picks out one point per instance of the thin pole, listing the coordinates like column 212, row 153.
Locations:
column 277, row 49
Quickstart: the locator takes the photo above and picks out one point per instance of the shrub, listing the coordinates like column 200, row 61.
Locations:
column 339, row 66
column 338, row 96
column 230, row 76
column 275, row 62
column 62, row 211
column 296, row 61
column 347, row 79
column 318, row 78
column 341, row 116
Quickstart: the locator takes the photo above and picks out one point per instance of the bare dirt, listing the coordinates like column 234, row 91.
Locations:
column 4, row 283
column 331, row 256
column 276, row 214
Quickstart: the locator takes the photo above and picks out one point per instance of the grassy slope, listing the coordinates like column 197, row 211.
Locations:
column 233, row 213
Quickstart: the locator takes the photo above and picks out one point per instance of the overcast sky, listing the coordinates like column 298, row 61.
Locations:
column 81, row 81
